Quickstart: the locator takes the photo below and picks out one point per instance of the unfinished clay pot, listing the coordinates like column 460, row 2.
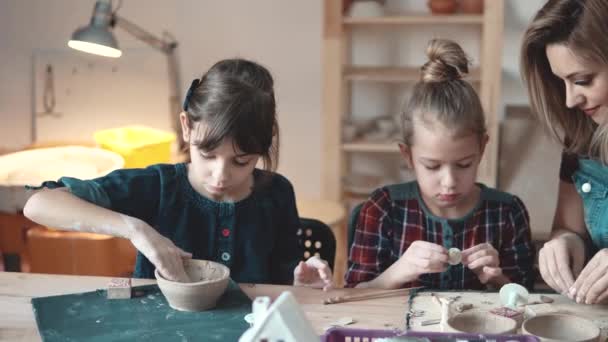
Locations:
column 443, row 6
column 208, row 282
column 561, row 328
column 481, row 322
column 471, row 6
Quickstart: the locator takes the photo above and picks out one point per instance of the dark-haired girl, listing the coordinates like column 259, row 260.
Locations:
column 219, row 206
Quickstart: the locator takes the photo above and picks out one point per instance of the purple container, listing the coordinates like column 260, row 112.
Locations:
column 367, row 335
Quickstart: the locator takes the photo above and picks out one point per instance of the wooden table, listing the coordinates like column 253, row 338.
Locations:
column 333, row 214
column 17, row 321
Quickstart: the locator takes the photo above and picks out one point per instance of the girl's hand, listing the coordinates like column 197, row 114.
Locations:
column 422, row 257
column 161, row 252
column 315, row 272
column 483, row 260
column 560, row 260
column 591, row 286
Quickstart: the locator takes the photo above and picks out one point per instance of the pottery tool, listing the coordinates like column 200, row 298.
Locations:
column 370, row 295
column 454, row 256
column 119, row 288
column 342, row 322
column 430, row 322
column 444, row 304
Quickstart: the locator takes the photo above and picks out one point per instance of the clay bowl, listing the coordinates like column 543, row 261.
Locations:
column 208, row 282
column 561, row 328
column 481, row 322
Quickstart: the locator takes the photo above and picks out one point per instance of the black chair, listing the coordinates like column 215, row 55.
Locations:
column 316, row 238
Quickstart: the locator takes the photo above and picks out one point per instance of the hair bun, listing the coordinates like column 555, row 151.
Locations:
column 447, row 62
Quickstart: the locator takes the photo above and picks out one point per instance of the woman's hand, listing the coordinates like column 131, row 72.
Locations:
column 560, row 260
column 483, row 260
column 161, row 252
column 315, row 272
column 591, row 286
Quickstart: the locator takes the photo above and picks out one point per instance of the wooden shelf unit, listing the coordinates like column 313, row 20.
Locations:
column 339, row 73
column 339, row 76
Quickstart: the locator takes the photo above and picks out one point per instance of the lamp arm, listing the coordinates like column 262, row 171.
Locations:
column 166, row 46
column 175, row 93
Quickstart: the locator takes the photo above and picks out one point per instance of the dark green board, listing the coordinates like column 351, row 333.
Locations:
column 90, row 316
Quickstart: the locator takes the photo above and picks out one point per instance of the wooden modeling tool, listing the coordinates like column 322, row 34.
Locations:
column 370, row 295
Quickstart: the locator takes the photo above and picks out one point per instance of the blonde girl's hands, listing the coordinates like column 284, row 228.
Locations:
column 422, row 257
column 591, row 286
column 483, row 260
column 314, row 272
column 161, row 252
column 560, row 260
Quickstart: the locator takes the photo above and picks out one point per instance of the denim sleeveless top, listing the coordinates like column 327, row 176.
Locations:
column 591, row 182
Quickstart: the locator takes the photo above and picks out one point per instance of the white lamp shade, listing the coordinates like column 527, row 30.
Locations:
column 95, row 40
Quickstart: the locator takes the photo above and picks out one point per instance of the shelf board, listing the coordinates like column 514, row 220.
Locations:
column 415, row 19
column 393, row 74
column 371, row 147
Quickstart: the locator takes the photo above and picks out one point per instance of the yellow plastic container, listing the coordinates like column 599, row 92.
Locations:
column 140, row 146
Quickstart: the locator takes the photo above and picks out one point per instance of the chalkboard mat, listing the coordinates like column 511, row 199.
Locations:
column 90, row 316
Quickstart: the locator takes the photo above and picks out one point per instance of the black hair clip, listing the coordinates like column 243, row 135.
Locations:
column 193, row 86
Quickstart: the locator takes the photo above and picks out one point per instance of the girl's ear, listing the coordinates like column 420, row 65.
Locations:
column 183, row 119
column 482, row 145
column 406, row 153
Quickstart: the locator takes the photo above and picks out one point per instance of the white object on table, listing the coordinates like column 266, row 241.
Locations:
column 513, row 294
column 284, row 320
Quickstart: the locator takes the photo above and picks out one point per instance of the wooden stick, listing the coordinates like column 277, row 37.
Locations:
column 371, row 295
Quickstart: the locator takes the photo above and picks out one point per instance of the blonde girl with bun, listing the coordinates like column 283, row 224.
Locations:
column 404, row 231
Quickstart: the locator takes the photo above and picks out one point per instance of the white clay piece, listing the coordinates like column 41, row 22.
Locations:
column 454, row 256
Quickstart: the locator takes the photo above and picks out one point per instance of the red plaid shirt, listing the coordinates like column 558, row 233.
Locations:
column 395, row 216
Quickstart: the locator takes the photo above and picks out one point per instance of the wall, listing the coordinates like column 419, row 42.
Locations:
column 518, row 13
column 282, row 35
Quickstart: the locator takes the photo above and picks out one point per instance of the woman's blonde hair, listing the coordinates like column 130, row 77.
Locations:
column 582, row 26
column 442, row 95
